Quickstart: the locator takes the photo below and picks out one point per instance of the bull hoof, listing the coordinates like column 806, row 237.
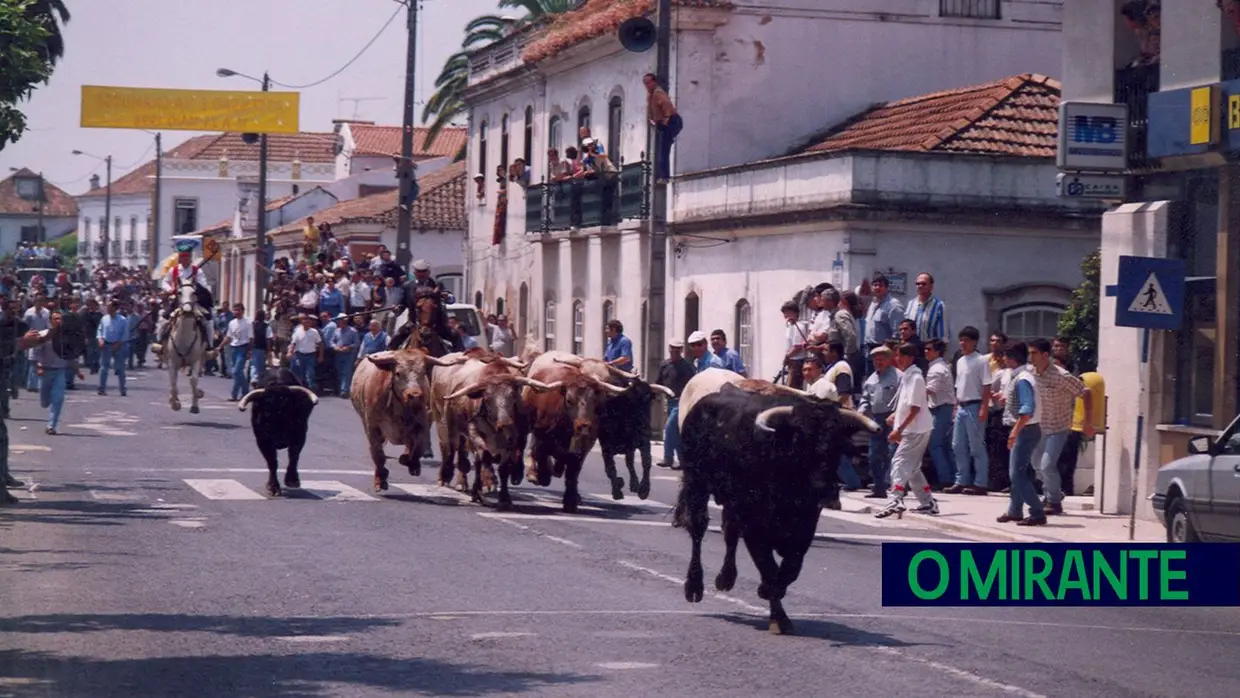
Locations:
column 475, row 497
column 632, row 484
column 273, row 488
column 531, row 476
column 193, row 409
column 726, row 579
column 557, row 469
column 441, row 482
column 201, row 395
column 694, row 590
column 415, row 469
column 617, row 488
column 514, row 478
column 503, row 504
column 544, row 479
column 292, row 482
column 570, row 505
column 381, row 484
column 643, row 490
column 176, row 405
column 781, row 626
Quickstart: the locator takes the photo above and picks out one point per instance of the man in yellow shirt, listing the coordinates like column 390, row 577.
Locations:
column 310, row 239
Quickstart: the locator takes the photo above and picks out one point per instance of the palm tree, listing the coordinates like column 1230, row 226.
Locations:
column 48, row 11
column 446, row 106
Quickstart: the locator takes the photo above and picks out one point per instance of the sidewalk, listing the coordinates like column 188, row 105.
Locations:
column 974, row 517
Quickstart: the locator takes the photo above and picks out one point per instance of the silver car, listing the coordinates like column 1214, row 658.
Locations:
column 1199, row 496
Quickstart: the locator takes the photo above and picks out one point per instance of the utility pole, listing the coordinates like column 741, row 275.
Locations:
column 404, row 168
column 656, row 314
column 153, row 251
column 260, row 235
column 107, row 212
column 40, row 236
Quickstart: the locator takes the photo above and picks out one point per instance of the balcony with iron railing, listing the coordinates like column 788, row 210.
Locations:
column 1133, row 86
column 129, row 247
column 588, row 203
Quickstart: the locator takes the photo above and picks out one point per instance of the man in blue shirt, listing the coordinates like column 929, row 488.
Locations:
column 113, row 337
column 331, row 300
column 374, row 341
column 619, row 352
column 344, row 343
column 701, row 357
column 730, row 359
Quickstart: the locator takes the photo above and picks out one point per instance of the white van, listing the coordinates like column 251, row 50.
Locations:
column 467, row 317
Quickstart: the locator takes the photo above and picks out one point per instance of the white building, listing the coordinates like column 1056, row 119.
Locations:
column 20, row 214
column 740, row 72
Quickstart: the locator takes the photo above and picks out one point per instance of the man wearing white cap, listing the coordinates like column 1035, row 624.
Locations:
column 700, row 354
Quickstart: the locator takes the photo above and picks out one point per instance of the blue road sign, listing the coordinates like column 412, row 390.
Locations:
column 1150, row 293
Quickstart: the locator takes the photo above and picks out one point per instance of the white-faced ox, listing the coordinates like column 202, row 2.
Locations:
column 390, row 392
column 478, row 412
column 280, row 420
column 759, row 454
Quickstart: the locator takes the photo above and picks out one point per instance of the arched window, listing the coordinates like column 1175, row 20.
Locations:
column 478, row 300
column 579, row 327
column 555, row 134
column 482, row 149
column 528, row 151
column 615, row 123
column 743, row 332
column 523, row 311
column 583, row 120
column 549, row 327
column 499, row 306
column 503, row 141
column 1024, row 323
column 609, row 312
column 692, row 307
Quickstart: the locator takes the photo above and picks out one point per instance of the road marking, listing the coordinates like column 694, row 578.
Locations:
column 625, row 665
column 165, row 505
column 115, row 496
column 562, row 541
column 223, row 490
column 669, row 478
column 435, row 492
column 680, row 582
column 30, row 447
column 335, row 491
column 306, row 639
column 188, row 523
column 638, row 503
column 540, row 534
column 498, row 635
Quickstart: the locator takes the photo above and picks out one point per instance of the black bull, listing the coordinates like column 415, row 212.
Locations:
column 623, row 428
column 760, row 455
column 281, row 419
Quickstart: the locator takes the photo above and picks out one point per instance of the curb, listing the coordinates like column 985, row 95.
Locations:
column 975, row 531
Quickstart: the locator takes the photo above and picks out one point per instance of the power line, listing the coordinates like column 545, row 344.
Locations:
column 400, row 6
column 141, row 158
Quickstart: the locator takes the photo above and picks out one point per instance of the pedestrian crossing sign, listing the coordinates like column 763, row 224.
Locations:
column 1150, row 293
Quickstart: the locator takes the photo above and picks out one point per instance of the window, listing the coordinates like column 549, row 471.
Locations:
column 1031, row 322
column 523, row 311
column 503, row 141
column 453, row 284
column 583, row 119
column 30, row 233
column 133, row 228
column 549, row 327
column 185, row 218
column 579, row 327
column 692, row 305
column 85, row 234
column 478, row 300
column 27, row 188
column 499, row 306
column 116, row 229
column 615, row 123
column 528, row 150
column 973, row 9
column 743, row 332
column 482, row 149
column 609, row 312
column 1193, row 238
column 555, row 134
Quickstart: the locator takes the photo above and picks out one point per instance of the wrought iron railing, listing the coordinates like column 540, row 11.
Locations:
column 973, row 9
column 1133, row 87
column 129, row 247
column 589, row 203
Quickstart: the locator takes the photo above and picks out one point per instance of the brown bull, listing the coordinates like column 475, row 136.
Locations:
column 563, row 424
column 478, row 411
column 390, row 392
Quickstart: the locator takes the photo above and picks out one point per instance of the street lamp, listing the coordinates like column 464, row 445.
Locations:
column 38, row 184
column 107, row 202
column 260, row 235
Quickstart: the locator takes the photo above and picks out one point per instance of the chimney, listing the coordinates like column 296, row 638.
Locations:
column 94, row 182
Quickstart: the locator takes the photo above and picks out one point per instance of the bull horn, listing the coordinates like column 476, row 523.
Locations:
column 515, row 363
column 789, row 390
column 621, row 372
column 571, row 361
column 613, row 389
column 463, row 391
column 761, row 421
column 245, row 401
column 663, row 389
column 436, row 361
column 536, row 385
column 314, row 399
column 860, row 420
column 554, row 385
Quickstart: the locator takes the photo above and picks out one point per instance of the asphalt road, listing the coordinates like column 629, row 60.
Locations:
column 120, row 576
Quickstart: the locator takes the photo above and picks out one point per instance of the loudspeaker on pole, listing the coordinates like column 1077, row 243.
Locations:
column 638, row 34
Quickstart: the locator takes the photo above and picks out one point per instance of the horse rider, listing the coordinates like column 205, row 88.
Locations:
column 185, row 271
column 423, row 284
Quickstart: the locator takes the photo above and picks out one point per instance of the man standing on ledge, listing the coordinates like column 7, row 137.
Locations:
column 665, row 119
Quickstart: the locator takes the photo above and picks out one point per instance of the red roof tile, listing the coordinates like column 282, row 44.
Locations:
column 385, row 140
column 594, row 19
column 281, row 147
column 1014, row 116
column 57, row 204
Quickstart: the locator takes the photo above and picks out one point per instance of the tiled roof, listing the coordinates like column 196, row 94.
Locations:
column 594, row 19
column 440, row 205
column 1014, row 116
column 58, row 204
column 281, row 147
column 385, row 140
column 142, row 180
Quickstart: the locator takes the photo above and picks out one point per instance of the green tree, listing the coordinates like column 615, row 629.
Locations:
column 446, row 106
column 32, row 43
column 67, row 248
column 1080, row 322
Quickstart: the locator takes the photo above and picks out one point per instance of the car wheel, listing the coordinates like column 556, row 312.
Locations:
column 1179, row 528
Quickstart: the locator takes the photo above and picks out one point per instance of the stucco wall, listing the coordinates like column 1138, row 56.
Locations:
column 127, row 208
column 11, row 229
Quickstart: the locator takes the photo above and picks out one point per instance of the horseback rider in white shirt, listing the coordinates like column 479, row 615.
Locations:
column 185, row 271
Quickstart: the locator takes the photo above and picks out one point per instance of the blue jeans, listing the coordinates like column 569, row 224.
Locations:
column 941, row 444
column 671, row 432
column 969, row 445
column 237, row 362
column 303, row 367
column 52, row 394
column 1021, row 471
column 112, row 357
column 344, row 369
column 880, row 456
column 258, row 364
column 32, row 375
column 848, row 474
column 226, row 362
column 1046, row 460
column 667, row 138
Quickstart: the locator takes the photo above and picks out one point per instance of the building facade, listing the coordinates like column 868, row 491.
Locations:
column 22, row 213
column 1179, row 75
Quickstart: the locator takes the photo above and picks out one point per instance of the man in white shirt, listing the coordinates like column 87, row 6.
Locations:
column 305, row 350
column 941, row 399
column 796, row 337
column 973, row 385
column 912, row 425
column 238, row 337
column 359, row 293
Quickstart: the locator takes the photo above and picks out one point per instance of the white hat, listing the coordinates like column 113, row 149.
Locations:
column 588, row 142
column 676, row 344
column 342, row 316
column 421, row 265
column 697, row 336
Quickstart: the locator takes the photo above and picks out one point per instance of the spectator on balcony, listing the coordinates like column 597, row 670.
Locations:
column 557, row 169
column 519, row 172
column 667, row 122
column 583, row 135
column 1144, row 18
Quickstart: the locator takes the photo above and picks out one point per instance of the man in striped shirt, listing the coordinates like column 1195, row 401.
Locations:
column 927, row 311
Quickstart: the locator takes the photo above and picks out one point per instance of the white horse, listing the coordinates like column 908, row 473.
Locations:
column 185, row 348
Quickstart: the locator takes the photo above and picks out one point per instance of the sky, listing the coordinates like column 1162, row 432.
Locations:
column 181, row 43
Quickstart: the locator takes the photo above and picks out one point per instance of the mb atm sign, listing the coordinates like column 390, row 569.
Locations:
column 1093, row 137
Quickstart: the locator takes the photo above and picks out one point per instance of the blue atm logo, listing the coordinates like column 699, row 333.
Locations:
column 1102, row 130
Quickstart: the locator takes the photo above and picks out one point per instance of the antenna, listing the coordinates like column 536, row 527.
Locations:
column 356, row 102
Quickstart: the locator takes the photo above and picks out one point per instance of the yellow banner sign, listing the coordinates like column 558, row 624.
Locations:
column 190, row 110
column 1200, row 128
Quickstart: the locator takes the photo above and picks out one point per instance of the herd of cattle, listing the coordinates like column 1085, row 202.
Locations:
column 767, row 453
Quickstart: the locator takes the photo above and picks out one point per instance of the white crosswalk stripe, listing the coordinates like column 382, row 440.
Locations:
column 335, row 491
column 224, row 490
